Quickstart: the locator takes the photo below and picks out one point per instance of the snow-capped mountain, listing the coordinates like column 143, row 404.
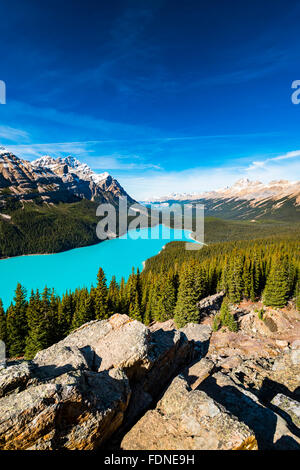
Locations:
column 80, row 178
column 245, row 199
column 53, row 180
column 242, row 189
column 82, row 170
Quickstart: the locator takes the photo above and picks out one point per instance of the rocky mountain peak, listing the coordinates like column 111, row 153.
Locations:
column 55, row 179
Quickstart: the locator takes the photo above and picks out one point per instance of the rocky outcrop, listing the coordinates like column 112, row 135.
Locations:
column 77, row 410
column 205, row 408
column 289, row 407
column 110, row 381
column 187, row 419
column 270, row 429
column 210, row 305
column 80, row 391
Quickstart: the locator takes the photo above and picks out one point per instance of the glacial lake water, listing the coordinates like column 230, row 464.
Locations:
column 79, row 267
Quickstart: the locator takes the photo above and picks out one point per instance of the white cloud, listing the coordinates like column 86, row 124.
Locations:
column 263, row 163
column 12, row 134
column 197, row 180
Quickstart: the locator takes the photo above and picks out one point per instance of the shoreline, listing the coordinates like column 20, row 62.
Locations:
column 144, row 262
column 93, row 244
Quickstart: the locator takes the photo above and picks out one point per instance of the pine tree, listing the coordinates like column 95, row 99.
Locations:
column 16, row 323
column 53, row 330
column 37, row 326
column 2, row 323
column 100, row 297
column 235, row 280
column 113, row 297
column 65, row 314
column 134, row 309
column 225, row 317
column 166, row 302
column 186, row 310
column 123, row 306
column 247, row 275
column 276, row 292
column 84, row 310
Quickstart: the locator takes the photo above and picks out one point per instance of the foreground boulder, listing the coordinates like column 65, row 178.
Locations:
column 79, row 392
column 271, row 430
column 77, row 410
column 96, row 387
column 187, row 419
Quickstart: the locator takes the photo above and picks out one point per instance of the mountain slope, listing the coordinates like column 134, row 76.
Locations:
column 80, row 180
column 49, row 180
column 246, row 200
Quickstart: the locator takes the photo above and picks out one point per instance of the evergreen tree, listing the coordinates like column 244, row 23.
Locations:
column 134, row 309
column 65, row 314
column 84, row 310
column 247, row 279
column 100, row 297
column 16, row 323
column 298, row 297
column 113, row 297
column 53, row 328
column 186, row 310
column 37, row 326
column 2, row 323
column 225, row 318
column 165, row 305
column 123, row 306
column 235, row 279
column 276, row 292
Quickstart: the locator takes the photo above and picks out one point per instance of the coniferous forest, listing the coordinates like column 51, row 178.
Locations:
column 170, row 286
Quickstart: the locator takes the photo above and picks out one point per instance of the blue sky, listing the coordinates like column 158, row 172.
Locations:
column 167, row 96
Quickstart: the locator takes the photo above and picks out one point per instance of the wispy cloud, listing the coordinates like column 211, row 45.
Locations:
column 196, row 180
column 13, row 134
column 263, row 163
column 85, row 152
column 104, row 128
column 120, row 162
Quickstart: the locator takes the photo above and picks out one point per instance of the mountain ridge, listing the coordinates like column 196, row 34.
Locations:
column 53, row 180
column 241, row 189
column 245, row 199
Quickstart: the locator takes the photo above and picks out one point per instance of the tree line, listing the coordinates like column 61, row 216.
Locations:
column 171, row 286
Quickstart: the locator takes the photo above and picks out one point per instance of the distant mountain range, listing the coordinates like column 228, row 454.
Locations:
column 245, row 200
column 54, row 180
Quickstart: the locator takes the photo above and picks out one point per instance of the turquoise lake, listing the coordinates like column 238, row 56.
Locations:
column 79, row 267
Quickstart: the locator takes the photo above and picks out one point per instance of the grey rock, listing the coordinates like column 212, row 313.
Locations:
column 199, row 335
column 78, row 410
column 97, row 345
column 53, row 362
column 186, row 419
column 210, row 305
column 270, row 429
column 80, row 391
column 289, row 406
column 14, row 378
